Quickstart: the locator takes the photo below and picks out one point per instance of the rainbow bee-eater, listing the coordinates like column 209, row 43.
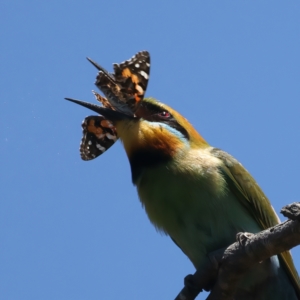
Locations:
column 197, row 194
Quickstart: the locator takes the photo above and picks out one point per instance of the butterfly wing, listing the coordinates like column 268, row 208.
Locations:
column 126, row 87
column 103, row 100
column 99, row 134
column 132, row 76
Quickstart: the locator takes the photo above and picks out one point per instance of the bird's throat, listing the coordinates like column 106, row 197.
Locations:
column 145, row 158
column 148, row 145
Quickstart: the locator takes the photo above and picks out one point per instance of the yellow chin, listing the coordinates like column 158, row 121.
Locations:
column 143, row 135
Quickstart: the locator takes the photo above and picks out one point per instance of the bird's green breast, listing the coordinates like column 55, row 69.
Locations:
column 188, row 199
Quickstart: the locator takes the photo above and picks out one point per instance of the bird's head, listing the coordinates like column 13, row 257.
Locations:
column 155, row 134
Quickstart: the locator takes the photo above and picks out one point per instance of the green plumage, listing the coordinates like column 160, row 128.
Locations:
column 202, row 198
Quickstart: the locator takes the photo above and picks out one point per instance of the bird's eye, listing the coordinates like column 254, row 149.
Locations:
column 164, row 114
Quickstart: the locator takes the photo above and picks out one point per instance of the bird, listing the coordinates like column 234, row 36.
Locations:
column 199, row 195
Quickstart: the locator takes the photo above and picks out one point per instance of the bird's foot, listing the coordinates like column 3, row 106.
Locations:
column 242, row 237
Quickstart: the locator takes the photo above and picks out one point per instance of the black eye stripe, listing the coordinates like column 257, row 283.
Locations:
column 154, row 113
column 173, row 123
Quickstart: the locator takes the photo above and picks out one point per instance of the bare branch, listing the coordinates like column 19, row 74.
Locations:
column 225, row 268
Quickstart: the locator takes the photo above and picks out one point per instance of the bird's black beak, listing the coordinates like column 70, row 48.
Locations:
column 110, row 114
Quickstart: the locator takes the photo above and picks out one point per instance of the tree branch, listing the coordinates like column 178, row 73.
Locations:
column 223, row 268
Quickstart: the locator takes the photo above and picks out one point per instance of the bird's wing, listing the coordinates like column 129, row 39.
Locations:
column 247, row 191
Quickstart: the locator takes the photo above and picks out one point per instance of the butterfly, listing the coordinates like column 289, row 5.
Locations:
column 124, row 89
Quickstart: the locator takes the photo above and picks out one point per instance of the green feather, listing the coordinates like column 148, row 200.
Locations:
column 247, row 191
column 202, row 198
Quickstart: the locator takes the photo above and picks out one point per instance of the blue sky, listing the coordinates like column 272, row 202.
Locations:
column 71, row 229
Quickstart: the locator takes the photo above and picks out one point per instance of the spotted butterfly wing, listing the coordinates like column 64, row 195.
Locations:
column 103, row 100
column 132, row 76
column 99, row 134
column 125, row 89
